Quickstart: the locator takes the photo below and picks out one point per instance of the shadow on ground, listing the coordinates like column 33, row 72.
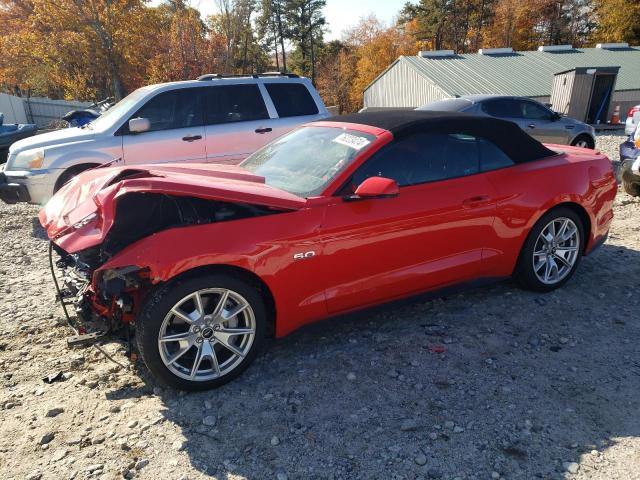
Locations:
column 527, row 382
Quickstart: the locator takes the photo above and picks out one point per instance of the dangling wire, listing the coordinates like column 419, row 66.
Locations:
column 66, row 313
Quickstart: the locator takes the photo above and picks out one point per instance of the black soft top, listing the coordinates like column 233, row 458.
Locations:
column 506, row 135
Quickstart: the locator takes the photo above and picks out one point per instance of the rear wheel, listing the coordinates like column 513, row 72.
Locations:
column 552, row 251
column 200, row 333
column 583, row 141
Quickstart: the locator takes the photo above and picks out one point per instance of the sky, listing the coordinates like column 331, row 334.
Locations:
column 340, row 14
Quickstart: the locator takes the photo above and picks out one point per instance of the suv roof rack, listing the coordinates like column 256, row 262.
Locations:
column 214, row 76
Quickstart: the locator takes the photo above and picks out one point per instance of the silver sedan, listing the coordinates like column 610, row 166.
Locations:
column 533, row 117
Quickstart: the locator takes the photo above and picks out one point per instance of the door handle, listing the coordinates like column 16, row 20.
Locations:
column 476, row 201
column 264, row 130
column 192, row 138
column 532, row 125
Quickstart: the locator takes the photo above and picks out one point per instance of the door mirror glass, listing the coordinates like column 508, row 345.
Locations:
column 139, row 125
column 376, row 187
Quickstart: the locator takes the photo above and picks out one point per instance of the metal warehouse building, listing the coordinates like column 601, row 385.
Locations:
column 410, row 82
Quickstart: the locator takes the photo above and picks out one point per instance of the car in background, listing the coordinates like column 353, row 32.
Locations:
column 633, row 120
column 336, row 216
column 216, row 119
column 11, row 133
column 533, row 117
column 630, row 164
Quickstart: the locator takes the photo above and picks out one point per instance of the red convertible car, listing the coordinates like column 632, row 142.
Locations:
column 206, row 260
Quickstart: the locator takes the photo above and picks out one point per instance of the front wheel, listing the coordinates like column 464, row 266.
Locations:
column 552, row 251
column 584, row 141
column 200, row 333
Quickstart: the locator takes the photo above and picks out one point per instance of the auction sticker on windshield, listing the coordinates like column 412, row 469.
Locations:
column 352, row 141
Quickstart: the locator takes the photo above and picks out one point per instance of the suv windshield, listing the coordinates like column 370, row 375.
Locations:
column 115, row 113
column 306, row 160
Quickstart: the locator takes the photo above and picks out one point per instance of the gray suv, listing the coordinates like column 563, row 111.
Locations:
column 533, row 117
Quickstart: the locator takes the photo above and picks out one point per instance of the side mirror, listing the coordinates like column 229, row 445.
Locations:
column 555, row 116
column 139, row 125
column 375, row 187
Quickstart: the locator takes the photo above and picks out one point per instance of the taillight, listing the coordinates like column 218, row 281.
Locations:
column 633, row 110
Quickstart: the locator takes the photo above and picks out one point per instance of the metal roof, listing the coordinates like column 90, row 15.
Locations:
column 528, row 74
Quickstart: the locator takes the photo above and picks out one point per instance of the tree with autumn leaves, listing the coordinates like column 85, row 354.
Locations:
column 90, row 49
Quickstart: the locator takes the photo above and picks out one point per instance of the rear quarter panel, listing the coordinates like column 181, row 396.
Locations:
column 527, row 191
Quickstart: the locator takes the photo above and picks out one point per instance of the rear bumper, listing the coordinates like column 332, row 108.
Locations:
column 12, row 192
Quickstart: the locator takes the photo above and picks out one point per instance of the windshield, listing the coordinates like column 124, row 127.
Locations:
column 115, row 113
column 306, row 160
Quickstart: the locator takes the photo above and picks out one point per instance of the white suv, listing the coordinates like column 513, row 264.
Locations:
column 218, row 119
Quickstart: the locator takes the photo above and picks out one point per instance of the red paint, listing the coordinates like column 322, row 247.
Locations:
column 367, row 251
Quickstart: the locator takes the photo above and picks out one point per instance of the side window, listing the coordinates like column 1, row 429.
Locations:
column 234, row 103
column 422, row 158
column 533, row 111
column 492, row 157
column 291, row 99
column 174, row 109
column 501, row 108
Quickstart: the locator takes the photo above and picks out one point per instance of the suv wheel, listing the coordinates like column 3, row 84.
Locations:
column 68, row 174
column 202, row 332
column 631, row 186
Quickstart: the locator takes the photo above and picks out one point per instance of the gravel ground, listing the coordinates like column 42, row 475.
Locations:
column 528, row 385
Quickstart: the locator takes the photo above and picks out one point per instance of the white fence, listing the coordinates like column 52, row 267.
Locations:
column 13, row 109
column 43, row 111
column 39, row 110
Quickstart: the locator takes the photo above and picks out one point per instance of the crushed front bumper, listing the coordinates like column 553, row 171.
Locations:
column 13, row 192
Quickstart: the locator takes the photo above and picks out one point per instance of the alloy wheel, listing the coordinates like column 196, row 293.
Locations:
column 582, row 144
column 207, row 334
column 556, row 250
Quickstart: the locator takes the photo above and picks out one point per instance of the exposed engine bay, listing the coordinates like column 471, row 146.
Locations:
column 111, row 301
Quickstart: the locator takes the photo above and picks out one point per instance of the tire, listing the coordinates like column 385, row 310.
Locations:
column 172, row 361
column 583, row 141
column 532, row 278
column 628, row 184
column 632, row 189
column 68, row 174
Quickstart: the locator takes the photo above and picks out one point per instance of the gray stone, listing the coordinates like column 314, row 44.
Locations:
column 141, row 464
column 420, row 459
column 46, row 438
column 571, row 467
column 210, row 421
column 275, row 441
column 408, row 425
column 54, row 412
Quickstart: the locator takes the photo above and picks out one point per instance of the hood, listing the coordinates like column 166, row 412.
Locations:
column 87, row 203
column 57, row 137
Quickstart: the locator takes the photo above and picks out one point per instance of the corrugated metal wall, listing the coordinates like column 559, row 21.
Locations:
column 401, row 87
column 561, row 92
column 625, row 100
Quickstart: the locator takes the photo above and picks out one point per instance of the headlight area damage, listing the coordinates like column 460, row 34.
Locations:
column 102, row 212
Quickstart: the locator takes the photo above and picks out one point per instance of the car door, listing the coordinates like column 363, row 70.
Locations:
column 540, row 123
column 237, row 122
column 293, row 104
column 176, row 133
column 431, row 235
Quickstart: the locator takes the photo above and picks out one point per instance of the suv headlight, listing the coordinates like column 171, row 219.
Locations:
column 27, row 160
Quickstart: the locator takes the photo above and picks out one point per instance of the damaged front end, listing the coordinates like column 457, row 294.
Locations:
column 94, row 218
column 103, row 302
